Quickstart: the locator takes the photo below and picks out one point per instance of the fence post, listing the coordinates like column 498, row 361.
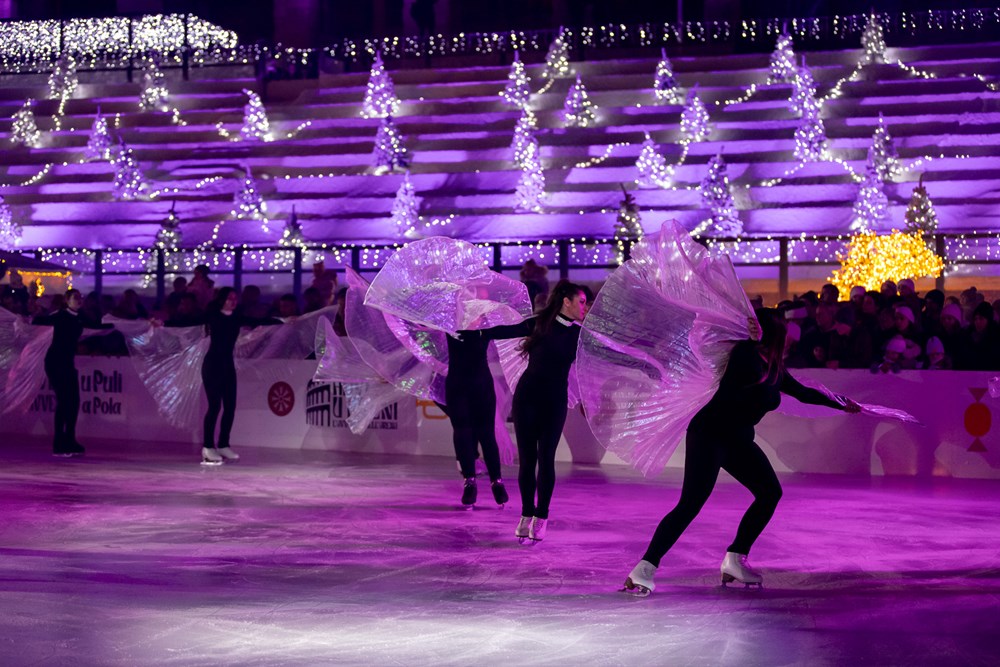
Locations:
column 782, row 269
column 297, row 274
column 130, row 51
column 238, row 271
column 186, row 51
column 99, row 272
column 563, row 246
column 939, row 248
column 161, row 276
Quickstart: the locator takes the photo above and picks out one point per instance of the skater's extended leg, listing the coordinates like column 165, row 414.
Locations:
column 548, row 441
column 749, row 466
column 484, row 419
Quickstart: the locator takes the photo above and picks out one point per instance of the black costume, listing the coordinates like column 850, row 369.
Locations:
column 471, row 404
column 721, row 436
column 218, row 372
column 60, row 369
column 540, row 403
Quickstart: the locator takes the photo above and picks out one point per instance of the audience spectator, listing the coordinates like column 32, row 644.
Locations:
column 937, row 358
column 339, row 324
column 251, row 304
column 287, row 307
column 186, row 313
column 930, row 318
column 130, row 307
column 825, row 345
column 979, row 345
column 202, row 286
column 325, row 282
column 313, row 300
column 533, row 275
column 889, row 293
column 174, row 298
column 895, row 359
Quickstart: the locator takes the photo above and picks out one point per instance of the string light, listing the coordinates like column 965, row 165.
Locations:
column 557, row 58
column 920, row 216
column 99, row 143
column 517, row 91
column 531, row 185
column 628, row 229
column 24, row 130
column 595, row 161
column 524, row 138
column 10, row 231
column 578, row 110
column 811, row 144
column 129, row 182
column 883, row 152
column 665, row 87
column 292, row 235
column 380, row 95
column 717, row 196
column 389, row 153
column 783, row 68
column 694, row 119
column 652, row 166
column 406, row 210
column 872, row 206
column 255, row 124
column 63, row 80
column 154, row 95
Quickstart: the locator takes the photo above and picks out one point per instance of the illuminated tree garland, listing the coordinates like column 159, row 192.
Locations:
column 665, row 86
column 872, row 206
column 884, row 153
column 920, row 216
column 531, row 185
column 628, row 227
column 783, row 68
column 517, row 92
column 129, row 183
column 578, row 110
column 380, row 96
column 694, row 119
column 24, row 130
column 811, row 144
column 803, row 89
column 255, row 124
column 100, row 141
column 873, row 42
column 871, row 259
column 557, row 58
column 63, row 80
column 717, row 197
column 154, row 96
column 653, row 169
column 524, row 138
column 168, row 236
column 248, row 204
column 291, row 235
column 389, row 152
column 10, row 231
column 406, row 210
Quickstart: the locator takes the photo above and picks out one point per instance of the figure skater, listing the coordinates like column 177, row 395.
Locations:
column 721, row 436
column 223, row 321
column 60, row 369
column 540, row 400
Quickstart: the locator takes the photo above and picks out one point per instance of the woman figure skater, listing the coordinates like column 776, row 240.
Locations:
column 540, row 400
column 721, row 436
column 60, row 369
column 223, row 321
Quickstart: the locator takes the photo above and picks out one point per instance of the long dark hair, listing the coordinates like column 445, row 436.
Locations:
column 563, row 289
column 772, row 341
column 214, row 306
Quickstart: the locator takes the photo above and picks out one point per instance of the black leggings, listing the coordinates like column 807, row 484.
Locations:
column 472, row 409
column 538, row 426
column 706, row 453
column 65, row 382
column 220, row 387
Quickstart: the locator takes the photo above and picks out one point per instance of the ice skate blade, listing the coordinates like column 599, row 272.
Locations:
column 635, row 590
column 526, row 541
column 728, row 579
column 206, row 462
column 500, row 506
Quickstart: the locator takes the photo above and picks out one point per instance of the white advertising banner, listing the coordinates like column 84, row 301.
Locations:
column 279, row 406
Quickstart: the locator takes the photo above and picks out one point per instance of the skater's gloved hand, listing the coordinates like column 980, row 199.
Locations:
column 849, row 405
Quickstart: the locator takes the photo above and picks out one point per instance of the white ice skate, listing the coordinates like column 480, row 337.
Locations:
column 523, row 530
column 736, row 568
column 536, row 533
column 640, row 580
column 210, row 457
column 228, row 454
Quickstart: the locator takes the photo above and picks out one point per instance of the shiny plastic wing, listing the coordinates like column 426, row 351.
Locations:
column 22, row 363
column 655, row 344
column 444, row 284
column 382, row 350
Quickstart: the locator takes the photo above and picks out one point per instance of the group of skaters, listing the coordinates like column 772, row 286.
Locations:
column 720, row 436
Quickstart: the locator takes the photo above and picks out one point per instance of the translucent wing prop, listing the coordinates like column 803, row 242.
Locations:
column 655, row 344
column 22, row 360
column 168, row 360
column 295, row 339
column 366, row 391
column 444, row 284
column 796, row 409
column 382, row 350
column 504, row 395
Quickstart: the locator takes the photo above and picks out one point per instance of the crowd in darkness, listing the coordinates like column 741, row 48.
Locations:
column 885, row 331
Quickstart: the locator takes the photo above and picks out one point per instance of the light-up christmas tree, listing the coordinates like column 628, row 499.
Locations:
column 389, row 153
column 291, row 235
column 10, row 231
column 803, row 89
column 884, row 153
column 154, row 96
column 871, row 259
column 665, row 86
column 578, row 110
column 24, row 130
column 872, row 206
column 811, row 144
column 129, row 183
column 920, row 216
column 531, row 185
column 248, row 203
column 255, row 124
column 517, row 92
column 100, row 143
column 628, row 226
column 63, row 80
column 652, row 166
column 168, row 236
column 694, row 120
column 783, row 68
column 524, row 138
column 873, row 42
column 717, row 197
column 557, row 58
column 380, row 96
column 406, row 210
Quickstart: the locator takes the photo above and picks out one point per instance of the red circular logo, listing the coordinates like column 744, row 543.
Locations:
column 281, row 398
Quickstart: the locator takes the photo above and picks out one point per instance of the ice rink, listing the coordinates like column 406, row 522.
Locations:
column 138, row 557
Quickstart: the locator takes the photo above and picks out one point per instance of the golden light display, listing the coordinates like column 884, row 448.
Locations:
column 871, row 259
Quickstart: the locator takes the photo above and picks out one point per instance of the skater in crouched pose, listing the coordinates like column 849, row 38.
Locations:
column 540, row 403
column 223, row 321
column 721, row 436
column 60, row 369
